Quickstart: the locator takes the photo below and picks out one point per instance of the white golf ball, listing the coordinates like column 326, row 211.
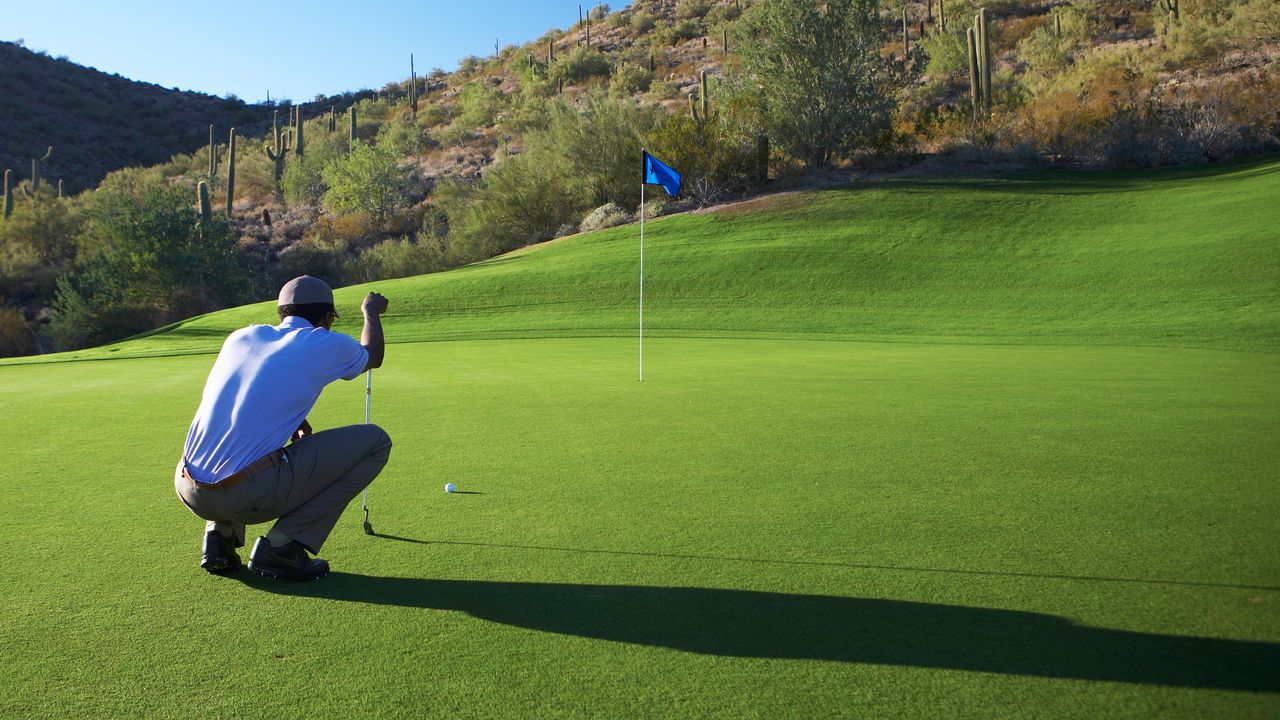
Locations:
column 448, row 487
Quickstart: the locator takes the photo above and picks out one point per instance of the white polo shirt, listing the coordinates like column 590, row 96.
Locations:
column 262, row 386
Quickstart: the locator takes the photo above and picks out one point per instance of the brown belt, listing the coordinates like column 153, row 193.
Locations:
column 258, row 465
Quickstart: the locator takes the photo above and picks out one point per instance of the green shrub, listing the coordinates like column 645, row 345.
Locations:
column 432, row 114
column 948, row 52
column 146, row 259
column 726, row 13
column 598, row 145
column 405, row 137
column 326, row 259
column 303, row 178
column 629, row 79
column 660, row 90
column 530, row 109
column 579, row 65
column 78, row 322
column 1080, row 22
column 478, row 105
column 642, row 22
column 678, row 32
column 368, row 181
column 606, row 216
column 1046, row 54
column 1256, row 21
column 401, row 257
column 15, row 334
column 455, row 135
column 583, row 159
column 37, row 243
column 686, row 9
column 713, row 157
column 599, row 12
column 521, row 199
column 22, row 274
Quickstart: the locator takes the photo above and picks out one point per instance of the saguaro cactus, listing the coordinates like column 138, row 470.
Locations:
column 8, row 194
column 202, row 196
column 276, row 154
column 231, row 170
column 706, row 96
column 693, row 106
column 297, row 132
column 333, row 118
column 987, row 62
column 413, row 87
column 351, row 139
column 975, row 85
column 942, row 15
column 213, row 155
column 59, row 188
column 982, row 45
column 906, row 34
column 1170, row 7
column 37, row 166
column 1057, row 25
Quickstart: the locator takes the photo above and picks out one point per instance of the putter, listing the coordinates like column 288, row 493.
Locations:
column 364, row 497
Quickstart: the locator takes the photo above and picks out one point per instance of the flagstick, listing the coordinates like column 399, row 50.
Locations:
column 641, row 282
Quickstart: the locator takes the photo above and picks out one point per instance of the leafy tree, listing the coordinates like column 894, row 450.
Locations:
column 825, row 90
column 369, row 181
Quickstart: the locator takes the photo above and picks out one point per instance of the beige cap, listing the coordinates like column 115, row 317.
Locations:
column 305, row 290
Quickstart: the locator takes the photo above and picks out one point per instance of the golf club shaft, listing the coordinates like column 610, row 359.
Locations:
column 368, row 399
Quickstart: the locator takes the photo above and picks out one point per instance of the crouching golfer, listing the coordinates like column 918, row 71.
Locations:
column 235, row 468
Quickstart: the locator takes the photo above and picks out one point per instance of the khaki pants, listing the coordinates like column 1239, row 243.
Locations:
column 306, row 492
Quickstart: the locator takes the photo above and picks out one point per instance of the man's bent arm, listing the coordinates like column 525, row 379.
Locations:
column 371, row 337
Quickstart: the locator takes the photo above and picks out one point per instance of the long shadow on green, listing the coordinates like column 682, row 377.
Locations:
column 742, row 623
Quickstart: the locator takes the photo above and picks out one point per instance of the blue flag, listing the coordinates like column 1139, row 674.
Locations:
column 656, row 173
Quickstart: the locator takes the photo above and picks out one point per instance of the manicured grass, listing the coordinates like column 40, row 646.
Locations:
column 1157, row 258
column 1052, row 494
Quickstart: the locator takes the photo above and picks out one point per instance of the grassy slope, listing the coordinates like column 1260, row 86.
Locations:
column 1016, row 511
column 1168, row 258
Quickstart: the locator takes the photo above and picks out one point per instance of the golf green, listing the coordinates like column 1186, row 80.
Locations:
column 1012, row 455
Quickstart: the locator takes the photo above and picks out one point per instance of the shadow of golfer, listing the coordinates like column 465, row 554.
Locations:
column 742, row 623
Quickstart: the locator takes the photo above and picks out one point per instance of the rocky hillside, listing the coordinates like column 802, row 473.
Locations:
column 97, row 122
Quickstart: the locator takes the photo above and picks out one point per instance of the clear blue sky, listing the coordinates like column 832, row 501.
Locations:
column 294, row 49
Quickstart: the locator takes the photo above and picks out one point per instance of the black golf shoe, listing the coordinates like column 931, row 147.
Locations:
column 290, row 562
column 218, row 554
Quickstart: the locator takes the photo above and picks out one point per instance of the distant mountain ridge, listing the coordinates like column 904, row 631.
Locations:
column 98, row 122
